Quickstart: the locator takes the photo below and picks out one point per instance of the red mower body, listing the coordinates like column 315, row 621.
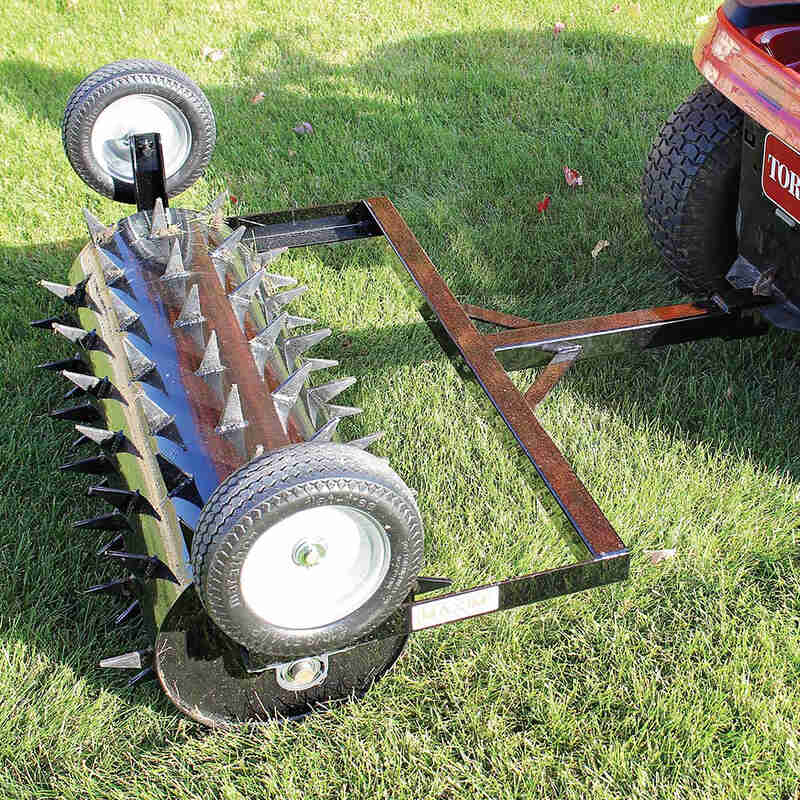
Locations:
column 756, row 67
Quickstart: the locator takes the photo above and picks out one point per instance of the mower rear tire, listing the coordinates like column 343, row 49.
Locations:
column 690, row 189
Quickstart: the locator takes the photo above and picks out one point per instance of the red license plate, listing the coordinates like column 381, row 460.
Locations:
column 780, row 175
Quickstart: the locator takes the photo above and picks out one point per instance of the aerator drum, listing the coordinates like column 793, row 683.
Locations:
column 256, row 546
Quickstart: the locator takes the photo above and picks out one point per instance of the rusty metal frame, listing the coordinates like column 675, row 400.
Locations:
column 484, row 359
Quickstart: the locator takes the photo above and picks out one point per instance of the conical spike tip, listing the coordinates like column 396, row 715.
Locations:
column 190, row 312
column 158, row 225
column 233, row 416
column 211, row 361
column 99, row 233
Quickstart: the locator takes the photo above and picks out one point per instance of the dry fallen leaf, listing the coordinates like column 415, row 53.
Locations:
column 657, row 556
column 213, row 54
column 292, row 153
column 558, row 28
column 257, row 98
column 572, row 177
column 542, row 206
column 616, row 8
column 303, row 128
column 599, row 247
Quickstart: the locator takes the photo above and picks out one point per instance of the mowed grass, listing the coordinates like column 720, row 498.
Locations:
column 680, row 683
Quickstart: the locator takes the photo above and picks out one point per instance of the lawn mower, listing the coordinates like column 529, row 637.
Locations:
column 275, row 565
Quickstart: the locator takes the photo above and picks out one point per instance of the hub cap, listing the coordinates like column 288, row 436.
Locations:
column 315, row 567
column 139, row 113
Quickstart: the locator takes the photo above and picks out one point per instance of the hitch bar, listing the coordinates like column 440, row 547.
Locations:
column 484, row 360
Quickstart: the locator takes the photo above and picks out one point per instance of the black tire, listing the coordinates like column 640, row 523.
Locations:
column 255, row 498
column 690, row 188
column 118, row 80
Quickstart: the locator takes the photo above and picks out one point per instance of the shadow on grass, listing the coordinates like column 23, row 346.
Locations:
column 466, row 132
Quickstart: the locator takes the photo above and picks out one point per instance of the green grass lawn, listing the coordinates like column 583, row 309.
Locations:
column 680, row 683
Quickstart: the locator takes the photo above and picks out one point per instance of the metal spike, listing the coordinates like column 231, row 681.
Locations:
column 319, row 395
column 78, row 442
column 123, row 587
column 331, row 411
column 186, row 489
column 126, row 316
column 89, row 341
column 98, row 232
column 144, row 566
column 365, row 441
column 74, row 364
column 61, row 290
column 83, row 412
column 287, row 394
column 222, row 256
column 268, row 336
column 241, row 297
column 47, row 323
column 133, row 660
column 129, row 613
column 279, row 280
column 211, row 361
column 175, row 268
column 87, row 384
column 112, row 271
column 217, row 204
column 264, row 341
column 126, row 501
column 148, row 673
column 299, row 322
column 139, row 363
column 327, row 391
column 320, row 363
column 99, row 435
column 114, row 544
column 113, row 521
column 75, row 335
column 232, row 417
column 325, row 433
column 190, row 312
column 158, row 224
column 275, row 302
column 94, row 465
column 297, row 345
column 268, row 256
column 157, row 418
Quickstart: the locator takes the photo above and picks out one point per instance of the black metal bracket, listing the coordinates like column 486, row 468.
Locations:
column 149, row 180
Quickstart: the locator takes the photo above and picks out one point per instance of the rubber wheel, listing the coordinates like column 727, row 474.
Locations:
column 137, row 96
column 345, row 509
column 690, row 188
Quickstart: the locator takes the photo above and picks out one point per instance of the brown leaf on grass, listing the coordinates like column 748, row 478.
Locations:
column 292, row 153
column 303, row 128
column 572, row 177
column 559, row 27
column 257, row 98
column 657, row 556
column 616, row 8
column 212, row 53
column 599, row 247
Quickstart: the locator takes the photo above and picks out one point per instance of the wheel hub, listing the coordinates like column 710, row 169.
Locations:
column 296, row 578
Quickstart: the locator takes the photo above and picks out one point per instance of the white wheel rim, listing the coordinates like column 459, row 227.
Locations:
column 139, row 113
column 350, row 555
